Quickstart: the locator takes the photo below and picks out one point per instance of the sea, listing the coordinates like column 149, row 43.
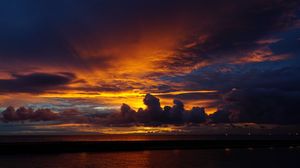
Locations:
column 288, row 157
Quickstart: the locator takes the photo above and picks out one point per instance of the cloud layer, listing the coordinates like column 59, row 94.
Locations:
column 96, row 55
column 23, row 114
column 35, row 82
column 260, row 106
column 254, row 106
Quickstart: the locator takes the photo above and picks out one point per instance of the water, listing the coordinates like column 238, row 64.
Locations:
column 138, row 137
column 207, row 158
column 283, row 158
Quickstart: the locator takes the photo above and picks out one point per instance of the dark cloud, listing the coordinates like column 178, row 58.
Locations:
column 265, row 92
column 238, row 106
column 127, row 113
column 176, row 113
column 44, row 115
column 35, row 82
column 24, row 114
column 224, row 77
column 10, row 114
column 289, row 44
column 32, row 30
column 30, row 35
column 219, row 36
column 220, row 116
column 234, row 34
column 197, row 115
column 153, row 107
column 260, row 106
column 154, row 114
column 257, row 105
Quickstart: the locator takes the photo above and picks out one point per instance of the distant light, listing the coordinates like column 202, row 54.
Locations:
column 227, row 149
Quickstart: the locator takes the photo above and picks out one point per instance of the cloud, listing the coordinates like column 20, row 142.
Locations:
column 44, row 115
column 289, row 43
column 176, row 112
column 256, row 105
column 127, row 113
column 197, row 115
column 24, row 114
column 35, row 82
column 147, row 46
column 224, row 77
column 153, row 109
column 79, row 34
column 233, row 36
column 10, row 114
column 260, row 105
column 265, row 92
column 154, row 114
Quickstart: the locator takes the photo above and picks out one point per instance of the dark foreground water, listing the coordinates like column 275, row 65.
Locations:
column 252, row 157
column 210, row 158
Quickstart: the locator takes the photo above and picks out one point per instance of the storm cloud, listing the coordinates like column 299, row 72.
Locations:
column 154, row 114
column 35, row 82
column 79, row 34
column 24, row 114
column 260, row 105
column 95, row 55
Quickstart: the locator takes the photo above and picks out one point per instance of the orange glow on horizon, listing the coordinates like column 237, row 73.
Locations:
column 134, row 99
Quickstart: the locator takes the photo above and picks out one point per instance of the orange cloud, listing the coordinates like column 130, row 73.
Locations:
column 261, row 55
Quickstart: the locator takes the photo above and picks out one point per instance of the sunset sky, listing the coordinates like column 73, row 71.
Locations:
column 94, row 55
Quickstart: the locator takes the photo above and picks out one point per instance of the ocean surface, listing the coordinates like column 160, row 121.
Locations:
column 136, row 137
column 251, row 157
column 236, row 158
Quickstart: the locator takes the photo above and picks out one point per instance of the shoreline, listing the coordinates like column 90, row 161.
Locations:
column 67, row 146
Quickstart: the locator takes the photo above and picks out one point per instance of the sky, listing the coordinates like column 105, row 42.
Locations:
column 238, row 59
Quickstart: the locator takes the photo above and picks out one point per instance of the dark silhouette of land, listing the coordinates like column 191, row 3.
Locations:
column 214, row 142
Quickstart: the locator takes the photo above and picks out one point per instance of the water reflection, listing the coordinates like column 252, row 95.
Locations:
column 160, row 158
